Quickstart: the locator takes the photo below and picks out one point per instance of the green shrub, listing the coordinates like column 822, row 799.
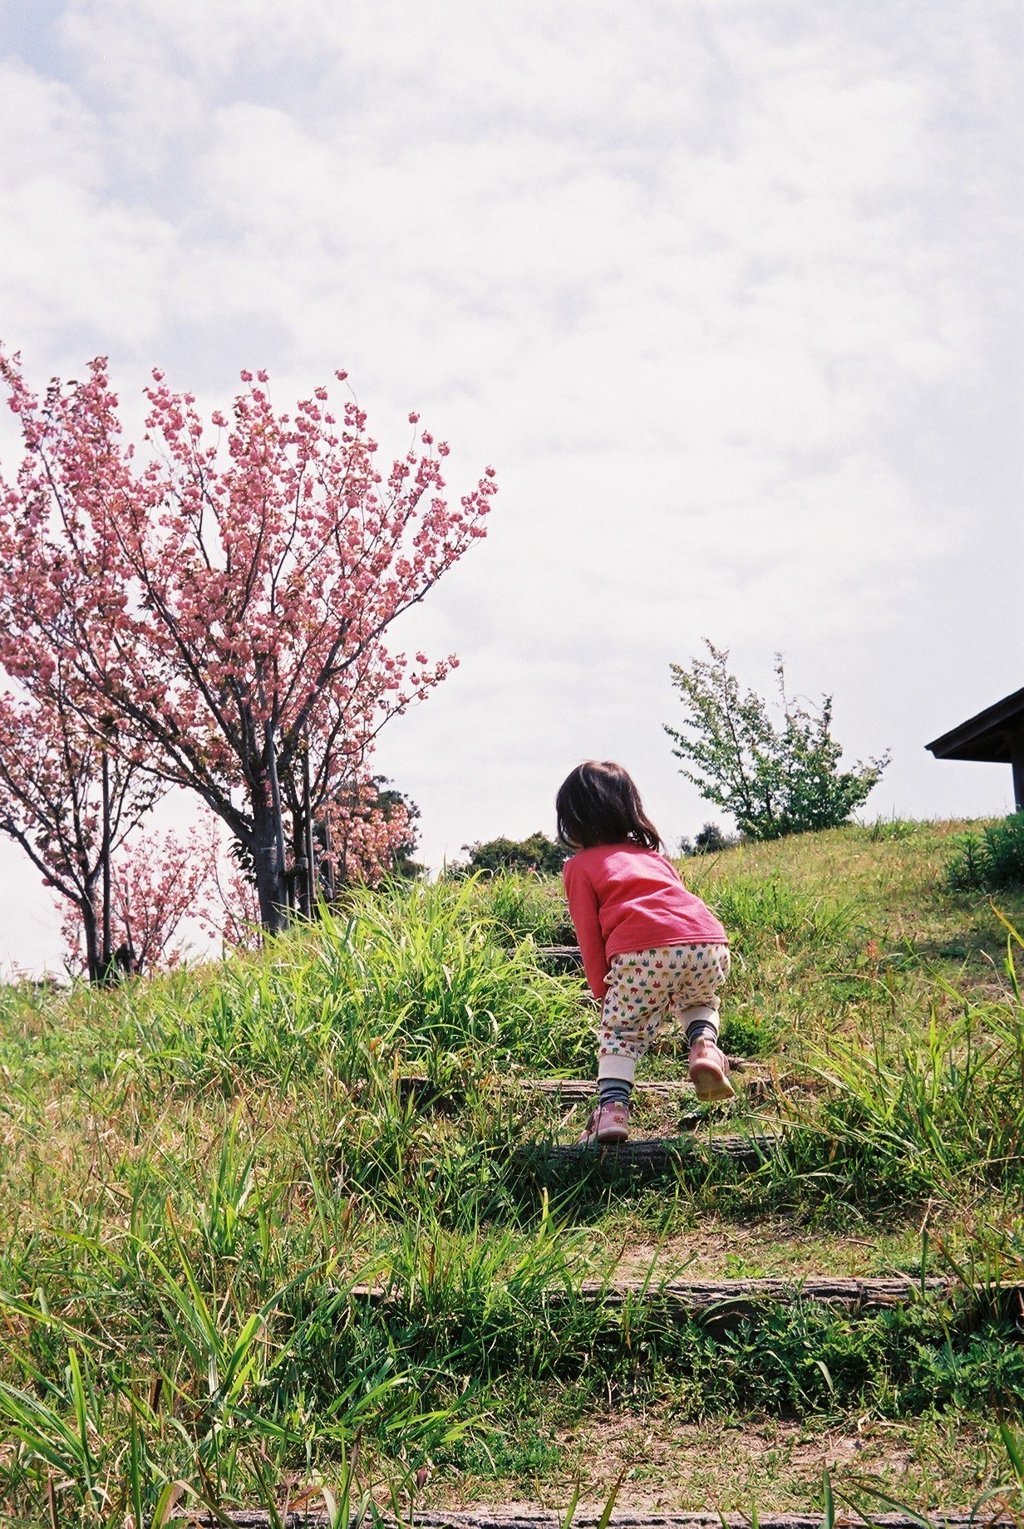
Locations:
column 765, row 910
column 773, row 779
column 748, row 1034
column 524, row 907
column 989, row 860
column 538, row 855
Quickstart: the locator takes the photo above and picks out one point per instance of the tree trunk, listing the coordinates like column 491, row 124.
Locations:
column 301, row 892
column 328, row 860
column 308, row 844
column 94, row 964
column 268, row 865
column 106, row 955
column 265, row 841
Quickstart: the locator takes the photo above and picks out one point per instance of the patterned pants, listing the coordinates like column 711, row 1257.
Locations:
column 646, row 989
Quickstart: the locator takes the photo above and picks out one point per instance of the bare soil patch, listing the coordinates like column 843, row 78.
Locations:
column 774, row 1466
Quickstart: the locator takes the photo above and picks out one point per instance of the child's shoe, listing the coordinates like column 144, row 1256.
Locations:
column 709, row 1070
column 608, row 1123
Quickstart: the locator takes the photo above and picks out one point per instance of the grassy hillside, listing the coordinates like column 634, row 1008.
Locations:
column 239, row 1250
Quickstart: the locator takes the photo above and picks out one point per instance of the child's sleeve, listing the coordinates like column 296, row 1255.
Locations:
column 584, row 914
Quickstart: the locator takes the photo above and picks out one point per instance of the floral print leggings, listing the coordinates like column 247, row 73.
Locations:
column 647, row 988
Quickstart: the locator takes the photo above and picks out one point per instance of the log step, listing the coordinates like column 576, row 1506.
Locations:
column 584, row 1518
column 695, row 1298
column 646, row 1157
column 560, row 958
column 756, row 1082
column 664, row 1088
column 728, row 1299
column 996, row 1516
column 704, row 1300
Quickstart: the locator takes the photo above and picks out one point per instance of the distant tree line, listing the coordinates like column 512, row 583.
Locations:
column 537, row 854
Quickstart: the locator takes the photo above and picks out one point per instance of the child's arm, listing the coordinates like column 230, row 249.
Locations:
column 584, row 915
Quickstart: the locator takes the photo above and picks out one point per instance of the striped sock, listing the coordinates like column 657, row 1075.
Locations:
column 701, row 1030
column 614, row 1091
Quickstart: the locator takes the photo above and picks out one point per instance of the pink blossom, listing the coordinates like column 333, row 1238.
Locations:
column 211, row 595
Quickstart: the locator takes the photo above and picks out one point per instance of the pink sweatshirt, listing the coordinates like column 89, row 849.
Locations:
column 623, row 897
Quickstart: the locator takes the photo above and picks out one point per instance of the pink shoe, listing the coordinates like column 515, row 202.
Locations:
column 608, row 1123
column 709, row 1071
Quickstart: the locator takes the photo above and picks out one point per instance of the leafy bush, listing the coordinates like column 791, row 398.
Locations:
column 709, row 841
column 774, row 780
column 537, row 854
column 526, row 907
column 748, row 1034
column 989, row 860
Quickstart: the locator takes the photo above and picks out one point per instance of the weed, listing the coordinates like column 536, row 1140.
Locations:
column 887, row 830
column 240, row 1264
column 527, row 907
column 757, row 912
column 989, row 860
column 747, row 1033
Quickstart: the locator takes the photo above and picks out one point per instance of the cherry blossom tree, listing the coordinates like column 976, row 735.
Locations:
column 231, row 907
column 69, row 799
column 160, row 882
column 367, row 834
column 227, row 595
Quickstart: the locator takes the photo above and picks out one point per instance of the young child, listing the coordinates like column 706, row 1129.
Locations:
column 650, row 948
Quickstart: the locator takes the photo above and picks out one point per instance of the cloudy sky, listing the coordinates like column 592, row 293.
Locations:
column 728, row 293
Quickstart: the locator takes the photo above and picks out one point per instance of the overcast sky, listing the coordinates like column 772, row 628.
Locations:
column 727, row 292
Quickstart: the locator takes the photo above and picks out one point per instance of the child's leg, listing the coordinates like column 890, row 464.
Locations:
column 701, row 971
column 698, row 971
column 700, row 1022
column 630, row 1017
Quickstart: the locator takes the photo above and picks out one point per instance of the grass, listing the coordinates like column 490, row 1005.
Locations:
column 205, row 1178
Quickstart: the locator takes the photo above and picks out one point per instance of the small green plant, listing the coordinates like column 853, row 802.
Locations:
column 748, row 1034
column 771, row 910
column 893, row 829
column 774, row 780
column 989, row 861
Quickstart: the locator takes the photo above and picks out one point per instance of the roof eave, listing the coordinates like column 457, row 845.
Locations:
column 988, row 735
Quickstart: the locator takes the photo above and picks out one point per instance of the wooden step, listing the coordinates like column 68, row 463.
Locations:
column 755, row 1082
column 645, row 1157
column 696, row 1298
column 993, row 1516
column 560, row 958
column 661, row 1088
column 701, row 1300
column 754, row 1085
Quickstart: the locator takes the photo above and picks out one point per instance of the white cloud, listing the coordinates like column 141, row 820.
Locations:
column 728, row 293
column 78, row 259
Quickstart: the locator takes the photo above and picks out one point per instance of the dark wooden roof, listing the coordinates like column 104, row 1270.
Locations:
column 997, row 733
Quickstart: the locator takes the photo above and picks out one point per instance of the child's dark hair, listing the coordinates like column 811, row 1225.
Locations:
column 599, row 804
